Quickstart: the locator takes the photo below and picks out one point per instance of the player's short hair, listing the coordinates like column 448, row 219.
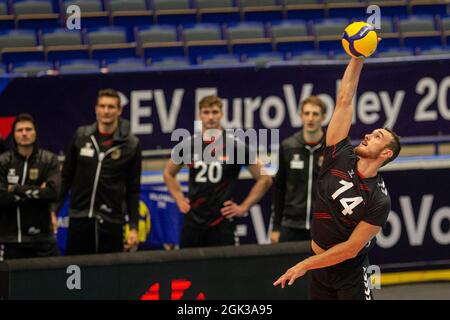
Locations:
column 22, row 117
column 314, row 100
column 394, row 145
column 210, row 101
column 109, row 93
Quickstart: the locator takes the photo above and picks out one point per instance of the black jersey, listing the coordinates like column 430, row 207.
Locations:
column 345, row 198
column 212, row 177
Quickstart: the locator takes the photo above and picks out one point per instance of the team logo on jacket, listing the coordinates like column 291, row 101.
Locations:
column 33, row 174
column 116, row 154
column 13, row 178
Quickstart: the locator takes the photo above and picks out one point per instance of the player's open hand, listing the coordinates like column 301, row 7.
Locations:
column 184, row 205
column 291, row 275
column 132, row 241
column 54, row 220
column 232, row 209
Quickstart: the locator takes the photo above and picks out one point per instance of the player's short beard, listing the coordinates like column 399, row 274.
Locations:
column 360, row 152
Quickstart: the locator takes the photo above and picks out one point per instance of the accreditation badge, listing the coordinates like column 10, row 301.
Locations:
column 12, row 177
column 297, row 163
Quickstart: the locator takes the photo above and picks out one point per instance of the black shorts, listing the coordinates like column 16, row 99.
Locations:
column 196, row 235
column 347, row 280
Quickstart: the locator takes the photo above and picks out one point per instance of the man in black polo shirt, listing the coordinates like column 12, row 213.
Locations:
column 352, row 203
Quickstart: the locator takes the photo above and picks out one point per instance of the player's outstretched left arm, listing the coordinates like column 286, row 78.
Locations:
column 263, row 183
column 362, row 234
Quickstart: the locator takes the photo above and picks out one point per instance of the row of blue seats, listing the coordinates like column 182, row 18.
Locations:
column 260, row 59
column 136, row 12
column 56, row 6
column 23, row 45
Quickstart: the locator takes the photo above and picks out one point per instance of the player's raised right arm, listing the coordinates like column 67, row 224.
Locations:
column 342, row 116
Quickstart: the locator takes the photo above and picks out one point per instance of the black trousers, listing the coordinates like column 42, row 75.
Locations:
column 195, row 235
column 347, row 280
column 90, row 236
column 28, row 250
column 293, row 234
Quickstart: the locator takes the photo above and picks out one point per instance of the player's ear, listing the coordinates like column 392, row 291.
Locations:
column 387, row 153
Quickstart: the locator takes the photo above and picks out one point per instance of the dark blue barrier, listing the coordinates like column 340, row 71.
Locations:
column 209, row 273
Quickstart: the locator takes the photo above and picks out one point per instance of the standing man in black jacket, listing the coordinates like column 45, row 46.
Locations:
column 29, row 182
column 294, row 184
column 102, row 169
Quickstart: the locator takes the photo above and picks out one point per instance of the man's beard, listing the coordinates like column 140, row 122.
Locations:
column 25, row 145
column 364, row 153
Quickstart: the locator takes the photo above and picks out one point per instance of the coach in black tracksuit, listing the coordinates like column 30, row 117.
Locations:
column 294, row 184
column 102, row 170
column 29, row 182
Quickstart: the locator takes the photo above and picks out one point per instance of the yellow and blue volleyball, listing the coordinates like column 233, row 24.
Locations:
column 360, row 39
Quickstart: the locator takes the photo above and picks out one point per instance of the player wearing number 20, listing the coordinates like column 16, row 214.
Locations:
column 352, row 203
column 214, row 158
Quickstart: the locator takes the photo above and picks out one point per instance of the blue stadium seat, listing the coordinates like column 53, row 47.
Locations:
column 159, row 41
column 395, row 52
column 308, row 55
column 170, row 62
column 20, row 46
column 63, row 44
column 328, row 33
column 433, row 51
column 346, row 9
column 93, row 14
column 248, row 37
column 445, row 27
column 32, row 68
column 262, row 59
column 125, row 65
column 78, row 66
column 261, row 10
column 419, row 31
column 110, row 42
column 176, row 12
column 6, row 17
column 35, row 14
column 202, row 39
column 130, row 14
column 219, row 60
column 393, row 8
column 291, row 35
column 435, row 7
column 217, row 11
column 304, row 9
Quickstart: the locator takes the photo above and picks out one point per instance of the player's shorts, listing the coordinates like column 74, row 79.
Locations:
column 347, row 280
